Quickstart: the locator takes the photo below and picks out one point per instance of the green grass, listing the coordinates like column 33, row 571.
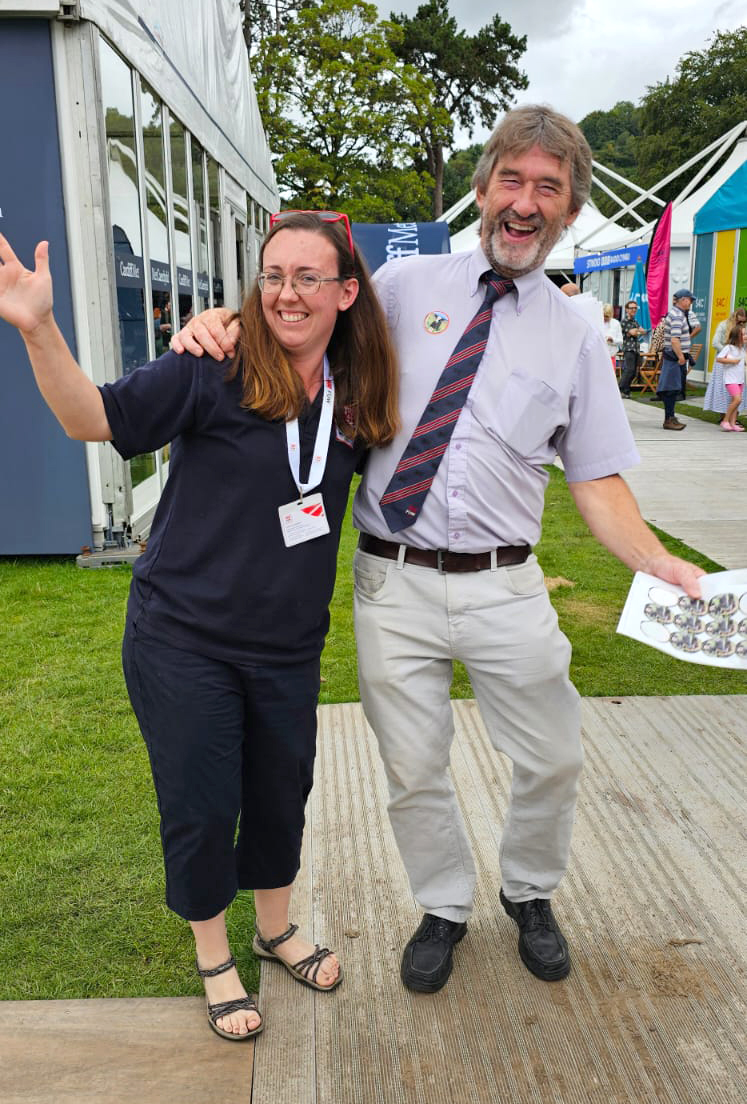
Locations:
column 81, row 879
column 685, row 407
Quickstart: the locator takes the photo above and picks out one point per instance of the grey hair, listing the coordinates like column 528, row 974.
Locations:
column 539, row 125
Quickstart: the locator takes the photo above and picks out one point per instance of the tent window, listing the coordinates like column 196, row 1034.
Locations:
column 216, row 231
column 199, row 209
column 183, row 246
column 124, row 204
column 156, row 216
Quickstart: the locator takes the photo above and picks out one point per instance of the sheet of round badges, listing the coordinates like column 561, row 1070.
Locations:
column 710, row 630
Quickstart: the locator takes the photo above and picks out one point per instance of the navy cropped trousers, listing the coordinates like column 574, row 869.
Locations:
column 230, row 746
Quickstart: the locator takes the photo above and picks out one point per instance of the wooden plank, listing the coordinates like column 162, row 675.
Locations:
column 655, row 1007
column 125, row 1051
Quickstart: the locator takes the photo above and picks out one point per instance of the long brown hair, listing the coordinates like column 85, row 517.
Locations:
column 361, row 354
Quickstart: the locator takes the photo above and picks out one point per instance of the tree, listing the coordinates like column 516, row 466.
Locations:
column 343, row 112
column 458, row 172
column 674, row 121
column 613, row 136
column 474, row 76
column 267, row 17
column 706, row 99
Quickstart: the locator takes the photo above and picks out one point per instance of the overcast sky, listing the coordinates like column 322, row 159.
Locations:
column 586, row 55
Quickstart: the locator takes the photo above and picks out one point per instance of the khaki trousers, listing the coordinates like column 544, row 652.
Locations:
column 411, row 623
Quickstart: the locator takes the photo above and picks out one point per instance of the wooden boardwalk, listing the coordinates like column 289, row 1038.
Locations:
column 653, row 906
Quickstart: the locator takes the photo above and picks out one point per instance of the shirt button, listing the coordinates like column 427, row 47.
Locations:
column 457, row 536
column 457, row 447
column 455, row 494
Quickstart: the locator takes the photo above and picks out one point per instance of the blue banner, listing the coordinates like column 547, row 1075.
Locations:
column 639, row 293
column 44, row 500
column 382, row 242
column 615, row 258
column 128, row 269
column 160, row 276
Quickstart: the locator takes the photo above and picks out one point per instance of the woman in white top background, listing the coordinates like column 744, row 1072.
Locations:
column 612, row 333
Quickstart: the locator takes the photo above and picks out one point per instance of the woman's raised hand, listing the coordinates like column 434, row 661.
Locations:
column 25, row 297
column 211, row 332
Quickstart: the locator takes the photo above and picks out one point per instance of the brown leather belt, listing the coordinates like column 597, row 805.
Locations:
column 441, row 558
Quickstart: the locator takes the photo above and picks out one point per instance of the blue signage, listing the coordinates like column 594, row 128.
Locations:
column 160, row 276
column 128, row 268
column 382, row 242
column 615, row 258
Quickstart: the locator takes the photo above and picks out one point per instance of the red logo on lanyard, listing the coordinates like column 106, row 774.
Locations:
column 314, row 511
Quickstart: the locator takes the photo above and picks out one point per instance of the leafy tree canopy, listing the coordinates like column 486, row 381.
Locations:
column 676, row 119
column 707, row 97
column 342, row 111
column 458, row 172
column 474, row 76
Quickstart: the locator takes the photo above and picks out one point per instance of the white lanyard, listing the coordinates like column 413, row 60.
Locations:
column 321, row 445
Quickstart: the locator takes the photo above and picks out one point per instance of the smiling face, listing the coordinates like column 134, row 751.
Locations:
column 303, row 323
column 525, row 208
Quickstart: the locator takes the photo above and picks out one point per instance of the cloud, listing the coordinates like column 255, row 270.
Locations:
column 585, row 56
column 539, row 19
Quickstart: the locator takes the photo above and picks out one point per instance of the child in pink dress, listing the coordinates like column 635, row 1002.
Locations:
column 732, row 358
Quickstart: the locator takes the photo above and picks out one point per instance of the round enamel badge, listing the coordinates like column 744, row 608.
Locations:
column 435, row 322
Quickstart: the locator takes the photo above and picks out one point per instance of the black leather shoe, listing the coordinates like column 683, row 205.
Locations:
column 427, row 961
column 542, row 946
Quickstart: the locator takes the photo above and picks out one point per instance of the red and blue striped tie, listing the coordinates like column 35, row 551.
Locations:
column 404, row 497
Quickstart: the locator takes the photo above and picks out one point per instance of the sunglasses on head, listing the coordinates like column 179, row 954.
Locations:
column 325, row 216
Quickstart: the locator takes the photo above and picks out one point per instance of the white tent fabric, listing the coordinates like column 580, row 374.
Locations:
column 560, row 258
column 194, row 55
column 684, row 213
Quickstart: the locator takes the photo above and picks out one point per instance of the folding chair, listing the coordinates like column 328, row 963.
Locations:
column 648, row 371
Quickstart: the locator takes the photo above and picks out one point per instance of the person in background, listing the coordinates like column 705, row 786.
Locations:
column 717, row 397
column 680, row 326
column 570, row 289
column 731, row 357
column 228, row 607
column 631, row 334
column 612, row 333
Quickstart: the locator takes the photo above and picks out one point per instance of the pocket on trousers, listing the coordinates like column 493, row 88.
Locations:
column 527, row 578
column 369, row 575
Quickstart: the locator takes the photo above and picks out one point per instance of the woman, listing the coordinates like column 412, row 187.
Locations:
column 228, row 608
column 612, row 333
column 717, row 397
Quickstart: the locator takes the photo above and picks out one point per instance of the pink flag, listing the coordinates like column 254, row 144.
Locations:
column 657, row 267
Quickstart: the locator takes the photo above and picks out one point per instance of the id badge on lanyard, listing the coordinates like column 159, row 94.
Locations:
column 306, row 519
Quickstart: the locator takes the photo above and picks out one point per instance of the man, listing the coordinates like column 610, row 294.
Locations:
column 679, row 329
column 570, row 289
column 451, row 576
column 444, row 568
column 632, row 333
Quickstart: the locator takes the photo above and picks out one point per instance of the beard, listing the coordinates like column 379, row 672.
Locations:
column 520, row 257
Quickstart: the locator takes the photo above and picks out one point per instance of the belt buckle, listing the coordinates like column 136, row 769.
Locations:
column 440, row 561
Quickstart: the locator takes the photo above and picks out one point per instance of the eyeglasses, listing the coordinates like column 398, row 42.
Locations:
column 325, row 216
column 305, row 283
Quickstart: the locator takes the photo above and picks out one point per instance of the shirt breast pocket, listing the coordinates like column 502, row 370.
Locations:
column 527, row 414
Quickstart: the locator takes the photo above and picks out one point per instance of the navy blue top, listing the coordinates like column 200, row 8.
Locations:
column 216, row 577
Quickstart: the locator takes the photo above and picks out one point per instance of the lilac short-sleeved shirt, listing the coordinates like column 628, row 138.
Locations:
column 544, row 387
